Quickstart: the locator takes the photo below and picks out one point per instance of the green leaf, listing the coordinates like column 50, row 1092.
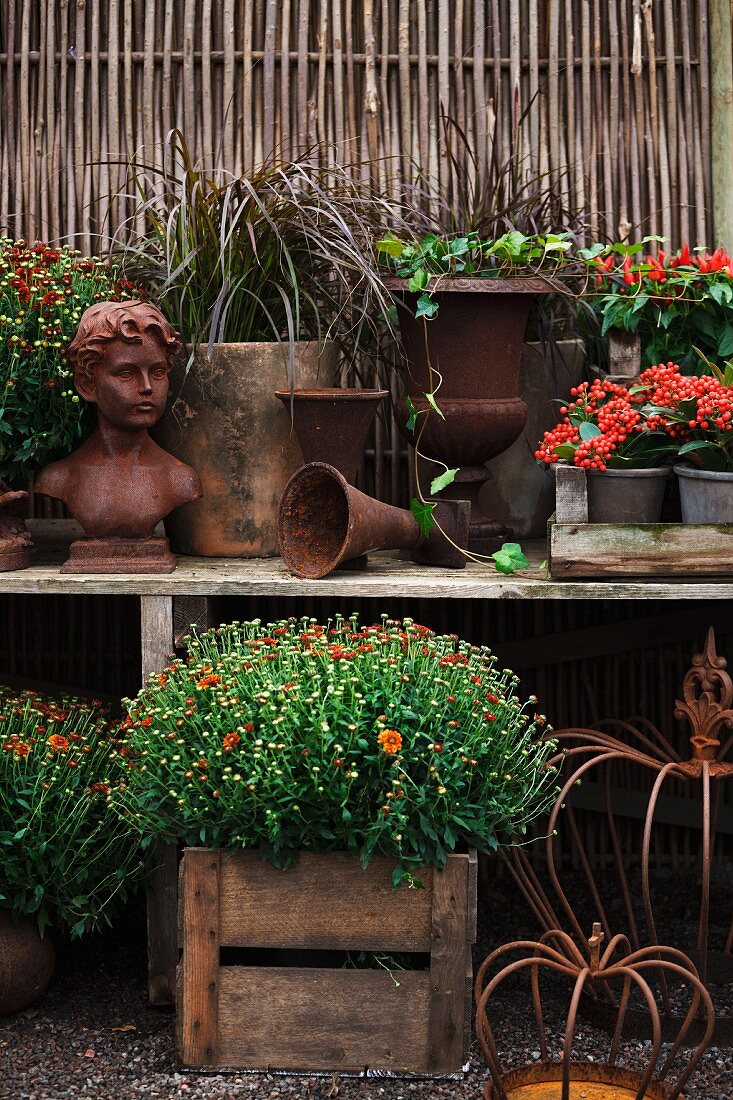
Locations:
column 442, row 481
column 588, row 430
column 423, row 513
column 426, row 307
column 510, row 557
column 411, row 414
column 390, row 245
column 430, row 398
column 418, row 281
column 725, row 343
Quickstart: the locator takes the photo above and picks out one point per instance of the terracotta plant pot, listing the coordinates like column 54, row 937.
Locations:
column 332, row 425
column 626, row 496
column 475, row 343
column 593, row 1080
column 26, row 962
column 706, row 496
column 226, row 422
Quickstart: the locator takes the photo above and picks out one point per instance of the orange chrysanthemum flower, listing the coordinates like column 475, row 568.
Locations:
column 58, row 743
column 390, row 741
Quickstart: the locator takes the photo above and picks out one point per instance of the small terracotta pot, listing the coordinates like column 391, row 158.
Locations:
column 332, row 425
column 706, row 496
column 626, row 496
column 26, row 962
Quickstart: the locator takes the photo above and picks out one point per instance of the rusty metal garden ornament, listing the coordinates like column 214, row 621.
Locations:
column 707, row 703
column 15, row 539
column 617, row 966
column 119, row 484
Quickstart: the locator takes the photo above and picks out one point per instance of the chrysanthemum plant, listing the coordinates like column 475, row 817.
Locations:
column 65, row 856
column 43, row 292
column 383, row 739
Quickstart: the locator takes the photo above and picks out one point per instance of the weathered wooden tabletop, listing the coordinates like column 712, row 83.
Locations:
column 385, row 576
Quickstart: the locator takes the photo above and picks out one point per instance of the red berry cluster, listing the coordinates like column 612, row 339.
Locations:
column 615, row 413
column 709, row 413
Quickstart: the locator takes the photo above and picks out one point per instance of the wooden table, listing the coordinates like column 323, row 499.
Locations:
column 171, row 603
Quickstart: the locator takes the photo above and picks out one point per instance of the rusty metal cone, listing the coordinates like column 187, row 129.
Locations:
column 323, row 521
column 332, row 425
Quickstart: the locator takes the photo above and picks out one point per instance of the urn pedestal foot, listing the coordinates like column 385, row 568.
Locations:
column 120, row 555
column 484, row 534
column 13, row 557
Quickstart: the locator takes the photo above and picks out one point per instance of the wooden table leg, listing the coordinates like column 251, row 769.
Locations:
column 163, row 622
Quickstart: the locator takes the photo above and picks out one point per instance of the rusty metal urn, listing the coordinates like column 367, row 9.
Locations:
column 620, row 972
column 26, row 962
column 332, row 425
column 324, row 522
column 15, row 539
column 469, row 354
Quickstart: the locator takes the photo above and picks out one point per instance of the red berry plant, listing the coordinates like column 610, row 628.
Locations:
column 295, row 736
column 696, row 413
column 676, row 301
column 43, row 292
column 65, row 856
column 604, row 428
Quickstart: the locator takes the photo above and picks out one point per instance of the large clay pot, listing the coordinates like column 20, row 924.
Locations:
column 521, row 492
column 26, row 962
column 474, row 344
column 227, row 423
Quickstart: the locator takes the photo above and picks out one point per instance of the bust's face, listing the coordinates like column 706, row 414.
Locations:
column 131, row 383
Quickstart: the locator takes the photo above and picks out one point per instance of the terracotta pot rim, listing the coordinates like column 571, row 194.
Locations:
column 455, row 284
column 703, row 475
column 203, row 345
column 346, row 393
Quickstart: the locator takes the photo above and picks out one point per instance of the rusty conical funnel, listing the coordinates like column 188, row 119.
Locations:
column 332, row 425
column 323, row 522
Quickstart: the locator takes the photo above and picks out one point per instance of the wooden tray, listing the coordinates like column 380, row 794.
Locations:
column 577, row 548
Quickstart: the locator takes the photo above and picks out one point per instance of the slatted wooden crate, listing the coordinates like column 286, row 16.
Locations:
column 322, row 1017
column 577, row 548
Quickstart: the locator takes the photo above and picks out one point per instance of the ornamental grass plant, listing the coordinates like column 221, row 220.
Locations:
column 65, row 856
column 294, row 736
column 43, row 292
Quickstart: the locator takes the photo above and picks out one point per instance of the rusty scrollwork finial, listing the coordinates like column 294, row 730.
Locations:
column 708, row 700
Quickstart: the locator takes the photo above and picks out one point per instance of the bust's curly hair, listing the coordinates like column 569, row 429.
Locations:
column 108, row 321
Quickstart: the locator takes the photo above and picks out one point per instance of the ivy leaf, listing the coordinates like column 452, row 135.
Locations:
column 423, row 513
column 442, row 481
column 390, row 245
column 426, row 307
column 411, row 414
column 430, row 398
column 509, row 558
column 418, row 281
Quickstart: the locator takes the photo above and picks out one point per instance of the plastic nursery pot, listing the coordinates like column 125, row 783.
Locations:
column 626, row 496
column 587, row 1081
column 26, row 962
column 706, row 496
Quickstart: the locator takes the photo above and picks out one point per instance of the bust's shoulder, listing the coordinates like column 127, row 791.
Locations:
column 183, row 479
column 55, row 480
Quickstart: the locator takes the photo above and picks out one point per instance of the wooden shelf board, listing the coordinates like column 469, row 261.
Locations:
column 385, row 577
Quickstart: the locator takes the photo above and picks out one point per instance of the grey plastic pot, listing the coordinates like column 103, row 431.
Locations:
column 706, row 496
column 626, row 496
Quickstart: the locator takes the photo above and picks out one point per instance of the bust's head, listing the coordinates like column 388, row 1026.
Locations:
column 121, row 356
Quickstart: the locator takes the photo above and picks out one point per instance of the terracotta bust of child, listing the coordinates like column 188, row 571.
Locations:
column 119, row 484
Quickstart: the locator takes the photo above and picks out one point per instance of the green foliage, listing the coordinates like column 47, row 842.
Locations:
column 677, row 302
column 423, row 511
column 510, row 557
column 64, row 855
column 293, row 736
column 283, row 252
column 43, row 293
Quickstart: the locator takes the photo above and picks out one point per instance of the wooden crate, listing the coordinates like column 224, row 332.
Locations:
column 577, row 548
column 323, row 1018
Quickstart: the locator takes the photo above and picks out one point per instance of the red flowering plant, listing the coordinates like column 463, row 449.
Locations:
column 65, row 856
column 605, row 428
column 43, row 292
column 676, row 301
column 696, row 413
column 294, row 736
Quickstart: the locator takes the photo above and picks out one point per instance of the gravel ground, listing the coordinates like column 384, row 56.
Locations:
column 93, row 1035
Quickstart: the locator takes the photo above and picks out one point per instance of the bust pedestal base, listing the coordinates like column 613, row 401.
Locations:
column 120, row 555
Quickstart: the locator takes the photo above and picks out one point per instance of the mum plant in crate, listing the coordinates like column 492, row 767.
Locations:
column 43, row 292
column 314, row 749
column 66, row 860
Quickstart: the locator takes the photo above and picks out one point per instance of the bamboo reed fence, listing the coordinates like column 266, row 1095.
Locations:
column 617, row 95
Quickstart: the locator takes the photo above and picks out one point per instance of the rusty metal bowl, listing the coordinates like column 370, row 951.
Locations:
column 596, row 1081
